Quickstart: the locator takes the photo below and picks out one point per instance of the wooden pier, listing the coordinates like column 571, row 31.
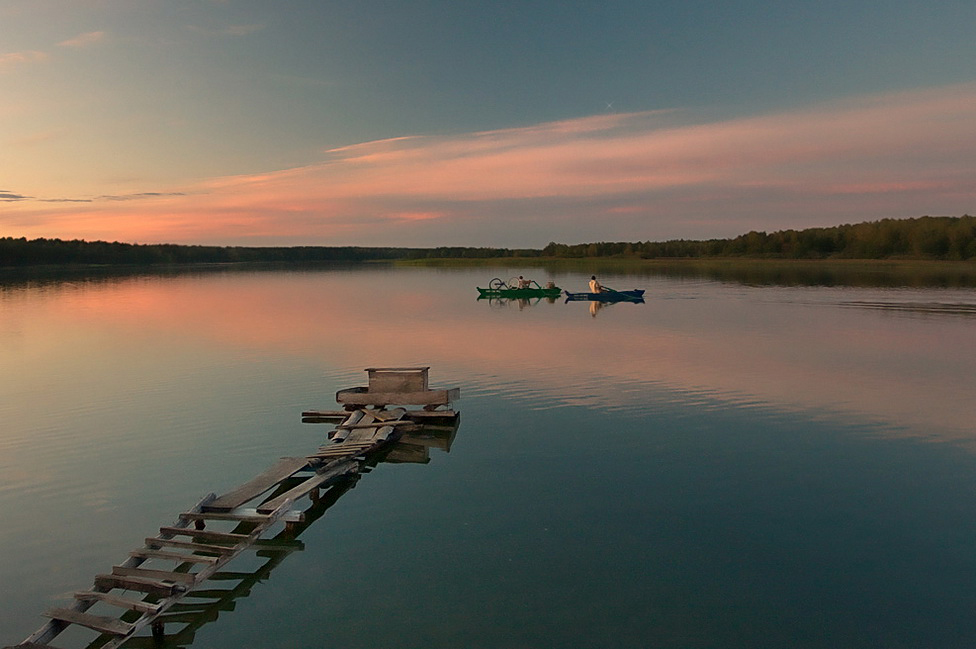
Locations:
column 165, row 582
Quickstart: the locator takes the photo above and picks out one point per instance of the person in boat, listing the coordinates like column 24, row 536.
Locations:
column 523, row 283
column 595, row 286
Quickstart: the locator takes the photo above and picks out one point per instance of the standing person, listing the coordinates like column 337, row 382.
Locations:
column 595, row 286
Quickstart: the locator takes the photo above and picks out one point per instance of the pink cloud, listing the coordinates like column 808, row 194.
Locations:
column 12, row 60
column 649, row 174
column 83, row 40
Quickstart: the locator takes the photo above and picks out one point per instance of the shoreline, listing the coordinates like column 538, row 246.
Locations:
column 890, row 273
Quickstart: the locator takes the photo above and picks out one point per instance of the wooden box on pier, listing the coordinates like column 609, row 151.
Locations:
column 397, row 386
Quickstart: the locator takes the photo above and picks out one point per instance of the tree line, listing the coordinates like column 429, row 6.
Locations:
column 950, row 238
column 927, row 237
column 58, row 252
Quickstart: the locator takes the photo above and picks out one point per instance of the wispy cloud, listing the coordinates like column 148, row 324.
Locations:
column 138, row 196
column 11, row 196
column 12, row 60
column 83, row 40
column 619, row 176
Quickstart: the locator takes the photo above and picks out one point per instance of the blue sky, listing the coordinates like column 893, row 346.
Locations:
column 245, row 122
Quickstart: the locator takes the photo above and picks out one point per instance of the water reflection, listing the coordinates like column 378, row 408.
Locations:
column 789, row 272
column 799, row 349
column 202, row 606
column 919, row 308
column 722, row 443
column 521, row 302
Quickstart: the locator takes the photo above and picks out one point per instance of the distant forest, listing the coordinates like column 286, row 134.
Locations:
column 927, row 237
column 945, row 238
column 35, row 252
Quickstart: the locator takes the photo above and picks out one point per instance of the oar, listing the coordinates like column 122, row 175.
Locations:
column 623, row 296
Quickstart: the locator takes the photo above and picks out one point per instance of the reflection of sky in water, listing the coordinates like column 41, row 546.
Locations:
column 862, row 352
column 738, row 420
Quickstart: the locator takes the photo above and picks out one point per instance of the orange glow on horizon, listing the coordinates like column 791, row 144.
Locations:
column 865, row 152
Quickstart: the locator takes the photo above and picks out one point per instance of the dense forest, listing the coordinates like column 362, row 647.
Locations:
column 946, row 238
column 927, row 237
column 23, row 252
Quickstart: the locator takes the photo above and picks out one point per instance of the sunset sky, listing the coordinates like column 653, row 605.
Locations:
column 302, row 122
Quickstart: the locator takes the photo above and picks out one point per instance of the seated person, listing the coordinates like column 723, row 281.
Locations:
column 595, row 286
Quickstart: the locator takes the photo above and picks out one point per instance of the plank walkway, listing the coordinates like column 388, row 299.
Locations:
column 192, row 554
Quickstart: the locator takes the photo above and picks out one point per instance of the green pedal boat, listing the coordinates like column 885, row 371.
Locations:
column 510, row 289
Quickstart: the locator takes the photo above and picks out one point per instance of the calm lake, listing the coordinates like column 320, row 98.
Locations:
column 725, row 465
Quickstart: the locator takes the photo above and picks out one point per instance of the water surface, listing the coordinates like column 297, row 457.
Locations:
column 726, row 465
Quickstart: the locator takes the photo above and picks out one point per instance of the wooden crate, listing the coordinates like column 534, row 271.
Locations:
column 397, row 379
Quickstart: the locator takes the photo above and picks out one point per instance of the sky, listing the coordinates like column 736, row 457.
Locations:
column 504, row 124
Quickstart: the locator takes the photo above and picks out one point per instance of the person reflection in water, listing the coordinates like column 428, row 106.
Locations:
column 595, row 306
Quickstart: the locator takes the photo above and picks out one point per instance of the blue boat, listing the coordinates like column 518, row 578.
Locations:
column 607, row 295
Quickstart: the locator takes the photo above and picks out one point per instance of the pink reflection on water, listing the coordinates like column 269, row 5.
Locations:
column 703, row 344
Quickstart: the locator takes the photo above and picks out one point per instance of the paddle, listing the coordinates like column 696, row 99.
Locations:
column 622, row 296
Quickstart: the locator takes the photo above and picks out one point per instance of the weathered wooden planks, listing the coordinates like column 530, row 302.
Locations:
column 307, row 486
column 172, row 556
column 364, row 420
column 248, row 515
column 205, row 535
column 150, row 586
column 364, row 397
column 153, row 542
column 282, row 469
column 397, row 379
column 121, row 602
column 413, row 415
column 382, row 422
column 359, row 433
column 161, row 575
column 99, row 623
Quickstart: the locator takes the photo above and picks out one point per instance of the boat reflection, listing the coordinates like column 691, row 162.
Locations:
column 203, row 606
column 521, row 302
column 598, row 301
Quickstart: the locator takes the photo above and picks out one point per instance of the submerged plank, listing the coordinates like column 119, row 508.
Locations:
column 98, row 623
column 190, row 617
column 280, row 470
column 210, row 593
